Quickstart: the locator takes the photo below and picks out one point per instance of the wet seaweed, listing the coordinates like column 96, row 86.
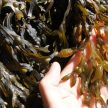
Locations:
column 34, row 33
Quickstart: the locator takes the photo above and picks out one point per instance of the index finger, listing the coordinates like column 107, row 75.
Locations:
column 74, row 61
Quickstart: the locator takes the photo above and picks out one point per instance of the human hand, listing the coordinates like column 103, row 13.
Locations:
column 58, row 94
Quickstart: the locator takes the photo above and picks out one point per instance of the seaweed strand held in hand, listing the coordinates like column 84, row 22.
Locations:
column 35, row 33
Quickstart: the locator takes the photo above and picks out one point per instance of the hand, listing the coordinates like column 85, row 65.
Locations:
column 58, row 94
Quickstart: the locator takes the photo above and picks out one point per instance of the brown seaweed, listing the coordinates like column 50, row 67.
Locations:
column 34, row 33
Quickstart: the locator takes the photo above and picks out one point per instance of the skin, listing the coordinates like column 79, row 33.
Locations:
column 58, row 94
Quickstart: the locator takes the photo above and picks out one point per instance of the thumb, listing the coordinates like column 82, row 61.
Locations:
column 48, row 87
column 53, row 75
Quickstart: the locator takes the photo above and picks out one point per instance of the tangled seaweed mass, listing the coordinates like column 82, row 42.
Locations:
column 34, row 33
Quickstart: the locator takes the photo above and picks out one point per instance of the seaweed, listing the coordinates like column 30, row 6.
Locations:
column 35, row 33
